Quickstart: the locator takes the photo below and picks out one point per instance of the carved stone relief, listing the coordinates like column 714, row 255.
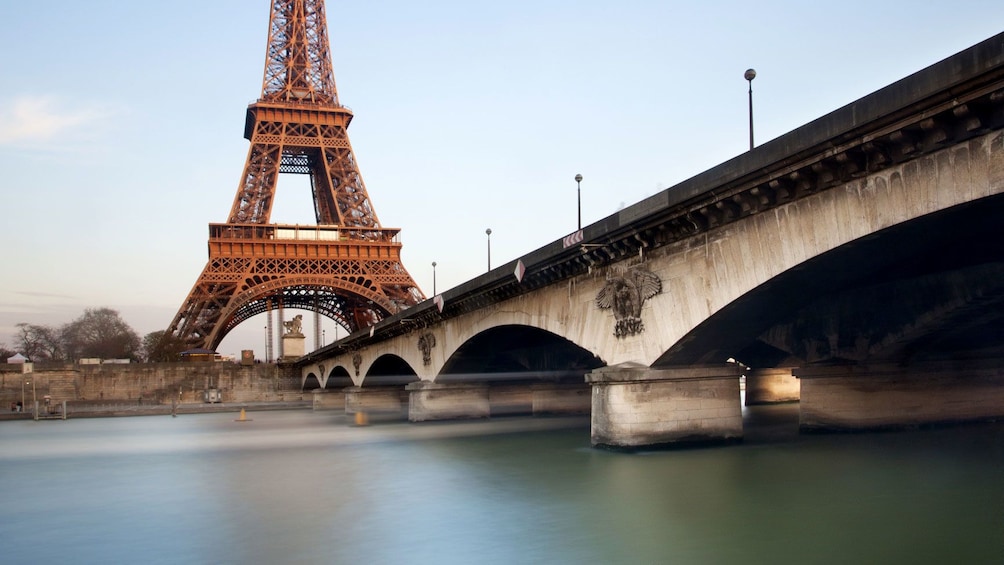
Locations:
column 425, row 344
column 625, row 295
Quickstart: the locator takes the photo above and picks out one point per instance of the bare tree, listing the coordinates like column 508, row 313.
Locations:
column 100, row 332
column 160, row 346
column 39, row 343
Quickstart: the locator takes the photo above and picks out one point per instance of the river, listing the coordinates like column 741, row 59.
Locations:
column 308, row 487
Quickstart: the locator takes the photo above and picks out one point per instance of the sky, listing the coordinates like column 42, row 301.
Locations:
column 121, row 124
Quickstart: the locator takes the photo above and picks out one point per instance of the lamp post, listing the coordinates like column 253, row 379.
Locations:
column 266, row 343
column 22, row 395
column 434, row 278
column 322, row 338
column 749, row 75
column 578, row 194
column 488, row 232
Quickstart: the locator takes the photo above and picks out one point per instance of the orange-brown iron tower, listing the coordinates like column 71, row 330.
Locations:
column 347, row 267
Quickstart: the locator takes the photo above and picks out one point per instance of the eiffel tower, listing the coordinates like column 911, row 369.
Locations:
column 347, row 267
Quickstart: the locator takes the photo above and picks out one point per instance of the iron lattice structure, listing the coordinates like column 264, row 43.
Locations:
column 347, row 267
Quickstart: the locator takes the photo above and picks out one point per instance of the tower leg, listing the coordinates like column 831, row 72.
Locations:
column 282, row 318
column 268, row 332
column 317, row 325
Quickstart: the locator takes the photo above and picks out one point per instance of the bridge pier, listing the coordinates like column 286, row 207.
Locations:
column 451, row 401
column 857, row 397
column 635, row 406
column 374, row 399
column 323, row 399
column 510, row 399
column 550, row 399
column 770, row 386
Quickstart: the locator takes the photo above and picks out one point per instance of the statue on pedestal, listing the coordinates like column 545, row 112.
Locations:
column 294, row 327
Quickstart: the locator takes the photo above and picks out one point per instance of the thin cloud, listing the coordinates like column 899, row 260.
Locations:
column 29, row 120
column 37, row 294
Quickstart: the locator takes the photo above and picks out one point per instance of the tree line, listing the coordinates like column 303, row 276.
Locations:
column 100, row 333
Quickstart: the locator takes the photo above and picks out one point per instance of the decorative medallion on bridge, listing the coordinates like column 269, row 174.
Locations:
column 626, row 294
column 357, row 360
column 425, row 344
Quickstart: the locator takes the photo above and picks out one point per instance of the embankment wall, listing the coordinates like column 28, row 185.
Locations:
column 151, row 383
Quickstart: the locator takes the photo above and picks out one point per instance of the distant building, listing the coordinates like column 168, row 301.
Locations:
column 200, row 356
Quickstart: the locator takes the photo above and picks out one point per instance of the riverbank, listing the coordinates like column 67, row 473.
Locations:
column 114, row 410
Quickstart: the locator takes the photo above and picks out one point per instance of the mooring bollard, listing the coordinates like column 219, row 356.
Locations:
column 362, row 419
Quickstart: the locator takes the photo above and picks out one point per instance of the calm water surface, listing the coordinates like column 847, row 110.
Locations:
column 306, row 487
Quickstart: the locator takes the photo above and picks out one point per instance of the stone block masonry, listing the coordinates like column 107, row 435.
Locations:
column 154, row 383
column 641, row 407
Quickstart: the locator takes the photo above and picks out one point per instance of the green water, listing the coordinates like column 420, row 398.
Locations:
column 305, row 487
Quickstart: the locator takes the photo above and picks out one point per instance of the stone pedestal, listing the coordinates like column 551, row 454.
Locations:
column 890, row 396
column 433, row 401
column 293, row 346
column 376, row 400
column 635, row 406
column 770, row 386
column 555, row 399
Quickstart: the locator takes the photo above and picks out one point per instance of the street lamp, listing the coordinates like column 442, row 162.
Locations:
column 322, row 338
column 749, row 76
column 434, row 278
column 578, row 193
column 488, row 232
column 266, row 343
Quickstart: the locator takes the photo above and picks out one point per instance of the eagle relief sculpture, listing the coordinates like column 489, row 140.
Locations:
column 425, row 344
column 625, row 295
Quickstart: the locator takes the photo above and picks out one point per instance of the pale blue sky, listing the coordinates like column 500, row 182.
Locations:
column 121, row 123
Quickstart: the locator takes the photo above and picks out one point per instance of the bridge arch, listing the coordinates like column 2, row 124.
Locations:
column 869, row 298
column 310, row 382
column 389, row 369
column 520, row 351
column 717, row 285
column 338, row 377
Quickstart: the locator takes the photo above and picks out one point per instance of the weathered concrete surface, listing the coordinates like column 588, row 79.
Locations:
column 510, row 399
column 769, row 386
column 861, row 398
column 551, row 399
column 432, row 401
column 636, row 406
column 322, row 399
column 377, row 399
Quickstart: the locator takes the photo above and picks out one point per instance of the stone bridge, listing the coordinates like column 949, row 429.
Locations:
column 856, row 263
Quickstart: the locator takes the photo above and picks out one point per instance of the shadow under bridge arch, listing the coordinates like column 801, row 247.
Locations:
column 518, row 353
column 390, row 370
column 931, row 288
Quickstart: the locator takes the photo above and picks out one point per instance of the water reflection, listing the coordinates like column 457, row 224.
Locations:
column 293, row 487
